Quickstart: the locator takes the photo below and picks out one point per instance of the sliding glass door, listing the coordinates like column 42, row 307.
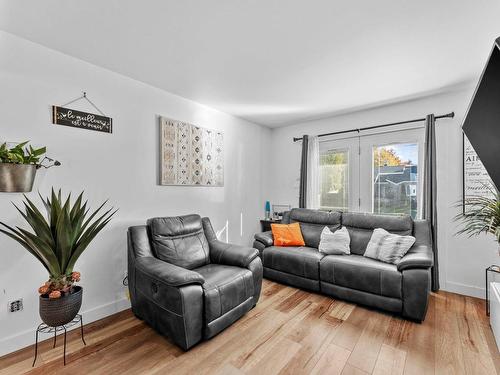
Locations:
column 379, row 173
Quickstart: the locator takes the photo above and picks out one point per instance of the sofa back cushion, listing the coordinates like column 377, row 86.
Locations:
column 312, row 223
column 361, row 226
column 180, row 240
column 286, row 217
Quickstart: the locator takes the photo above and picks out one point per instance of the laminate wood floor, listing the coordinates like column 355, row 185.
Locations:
column 290, row 331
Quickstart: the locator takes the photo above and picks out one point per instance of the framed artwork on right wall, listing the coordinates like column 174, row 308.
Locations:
column 476, row 180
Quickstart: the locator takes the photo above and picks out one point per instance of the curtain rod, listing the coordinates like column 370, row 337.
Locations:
column 448, row 115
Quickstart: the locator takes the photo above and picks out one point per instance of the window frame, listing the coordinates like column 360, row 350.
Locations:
column 360, row 157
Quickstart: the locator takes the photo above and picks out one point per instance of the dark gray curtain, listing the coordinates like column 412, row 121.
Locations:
column 303, row 172
column 430, row 191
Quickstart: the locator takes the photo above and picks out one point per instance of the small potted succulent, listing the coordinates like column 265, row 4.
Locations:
column 18, row 166
column 57, row 242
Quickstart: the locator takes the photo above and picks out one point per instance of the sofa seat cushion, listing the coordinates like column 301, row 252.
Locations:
column 361, row 273
column 300, row 261
column 225, row 288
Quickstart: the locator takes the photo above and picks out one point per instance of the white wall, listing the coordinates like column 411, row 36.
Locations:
column 122, row 166
column 462, row 261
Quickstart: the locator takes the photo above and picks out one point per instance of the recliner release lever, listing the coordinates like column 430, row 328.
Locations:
column 154, row 288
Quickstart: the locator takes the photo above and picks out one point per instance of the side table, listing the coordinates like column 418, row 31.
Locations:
column 44, row 328
column 265, row 224
column 495, row 269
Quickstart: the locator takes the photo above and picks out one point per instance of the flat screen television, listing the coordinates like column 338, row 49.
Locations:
column 482, row 121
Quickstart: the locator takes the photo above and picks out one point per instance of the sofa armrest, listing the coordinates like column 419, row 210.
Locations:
column 167, row 273
column 231, row 255
column 419, row 256
column 266, row 238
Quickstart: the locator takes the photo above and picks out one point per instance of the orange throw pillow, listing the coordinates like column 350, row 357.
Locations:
column 287, row 235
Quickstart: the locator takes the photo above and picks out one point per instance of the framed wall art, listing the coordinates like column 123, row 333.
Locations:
column 476, row 181
column 190, row 155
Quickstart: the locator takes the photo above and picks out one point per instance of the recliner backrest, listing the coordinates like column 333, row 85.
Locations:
column 361, row 226
column 180, row 240
column 312, row 223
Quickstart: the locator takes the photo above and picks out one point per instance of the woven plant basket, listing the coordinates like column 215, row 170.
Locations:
column 60, row 311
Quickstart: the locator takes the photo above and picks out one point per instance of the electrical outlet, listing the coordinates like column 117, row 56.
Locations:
column 15, row 306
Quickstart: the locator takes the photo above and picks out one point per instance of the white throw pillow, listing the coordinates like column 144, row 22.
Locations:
column 335, row 243
column 388, row 247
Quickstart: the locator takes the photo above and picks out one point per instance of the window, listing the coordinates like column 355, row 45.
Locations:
column 334, row 179
column 395, row 179
column 377, row 172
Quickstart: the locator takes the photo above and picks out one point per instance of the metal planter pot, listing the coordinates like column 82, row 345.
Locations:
column 60, row 311
column 17, row 178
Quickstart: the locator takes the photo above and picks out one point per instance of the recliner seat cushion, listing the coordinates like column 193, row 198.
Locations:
column 361, row 273
column 225, row 288
column 180, row 240
column 312, row 223
column 299, row 261
column 361, row 226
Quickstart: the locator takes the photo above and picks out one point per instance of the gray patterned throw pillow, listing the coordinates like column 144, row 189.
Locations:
column 388, row 247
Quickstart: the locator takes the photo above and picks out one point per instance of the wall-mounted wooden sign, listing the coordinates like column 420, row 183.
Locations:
column 82, row 120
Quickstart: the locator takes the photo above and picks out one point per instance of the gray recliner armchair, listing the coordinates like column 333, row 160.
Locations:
column 185, row 283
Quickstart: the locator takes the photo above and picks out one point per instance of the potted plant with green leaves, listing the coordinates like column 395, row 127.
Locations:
column 481, row 215
column 57, row 241
column 18, row 166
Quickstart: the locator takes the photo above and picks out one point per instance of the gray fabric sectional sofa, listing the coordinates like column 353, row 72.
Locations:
column 401, row 288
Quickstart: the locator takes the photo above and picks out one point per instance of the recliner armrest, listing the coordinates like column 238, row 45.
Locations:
column 419, row 256
column 231, row 255
column 167, row 273
column 265, row 238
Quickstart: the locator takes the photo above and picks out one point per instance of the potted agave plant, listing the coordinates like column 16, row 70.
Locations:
column 481, row 215
column 18, row 166
column 57, row 241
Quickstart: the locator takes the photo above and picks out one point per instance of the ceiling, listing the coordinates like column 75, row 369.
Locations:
column 273, row 62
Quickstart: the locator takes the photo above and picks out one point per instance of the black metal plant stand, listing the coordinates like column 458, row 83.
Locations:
column 44, row 328
column 495, row 269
